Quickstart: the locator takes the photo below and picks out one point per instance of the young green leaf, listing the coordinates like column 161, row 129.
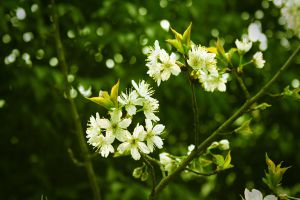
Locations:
column 244, row 129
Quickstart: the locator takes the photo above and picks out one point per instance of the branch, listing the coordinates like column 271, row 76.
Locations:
column 76, row 119
column 165, row 181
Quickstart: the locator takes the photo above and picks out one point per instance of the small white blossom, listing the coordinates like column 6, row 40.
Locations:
column 160, row 64
column 116, row 126
column 290, row 12
column 150, row 106
column 143, row 88
column 258, row 60
column 153, row 135
column 211, row 82
column 167, row 162
column 190, row 149
column 255, row 34
column 103, row 144
column 134, row 143
column 243, row 46
column 96, row 139
column 200, row 59
column 94, row 127
column 130, row 101
column 256, row 195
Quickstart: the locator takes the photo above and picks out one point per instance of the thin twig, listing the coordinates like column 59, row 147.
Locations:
column 241, row 83
column 74, row 159
column 152, row 171
column 165, row 181
column 201, row 174
column 195, row 111
column 79, row 130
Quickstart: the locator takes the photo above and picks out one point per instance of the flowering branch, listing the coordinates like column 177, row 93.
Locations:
column 76, row 119
column 200, row 149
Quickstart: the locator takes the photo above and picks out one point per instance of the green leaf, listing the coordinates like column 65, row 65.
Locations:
column 178, row 36
column 244, row 129
column 176, row 44
column 227, row 161
column 186, row 38
column 274, row 174
column 114, row 93
column 105, row 100
column 218, row 159
column 294, row 93
column 262, row 106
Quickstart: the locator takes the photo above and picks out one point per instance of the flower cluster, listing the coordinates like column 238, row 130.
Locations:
column 290, row 11
column 160, row 64
column 204, row 66
column 102, row 132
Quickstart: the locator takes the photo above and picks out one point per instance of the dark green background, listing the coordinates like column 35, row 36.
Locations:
column 37, row 129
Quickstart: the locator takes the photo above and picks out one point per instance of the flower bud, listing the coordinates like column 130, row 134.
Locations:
column 137, row 172
column 224, row 145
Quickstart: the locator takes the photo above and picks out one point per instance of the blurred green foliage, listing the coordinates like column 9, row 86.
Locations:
column 104, row 42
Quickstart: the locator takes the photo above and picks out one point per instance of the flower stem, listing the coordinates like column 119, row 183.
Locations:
column 241, row 83
column 195, row 112
column 87, row 163
column 165, row 181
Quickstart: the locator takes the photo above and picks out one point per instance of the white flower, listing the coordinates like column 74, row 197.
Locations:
column 211, row 82
column 200, row 59
column 96, row 139
column 85, row 92
column 153, row 135
column 143, row 89
column 160, row 64
column 256, row 35
column 243, row 46
column 290, row 13
column 134, row 143
column 94, row 128
column 258, row 60
column 103, row 144
column 130, row 101
column 167, row 162
column 116, row 126
column 190, row 149
column 150, row 106
column 256, row 195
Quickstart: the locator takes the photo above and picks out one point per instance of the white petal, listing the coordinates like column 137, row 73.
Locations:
column 125, row 123
column 106, row 149
column 104, row 123
column 158, row 129
column 270, row 197
column 150, row 145
column 123, row 147
column 143, row 147
column 165, row 75
column 135, row 153
column 149, row 125
column 158, row 142
column 131, row 109
column 123, row 135
column 175, row 70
